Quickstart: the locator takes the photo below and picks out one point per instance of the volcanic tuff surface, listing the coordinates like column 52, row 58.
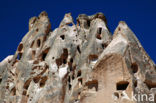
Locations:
column 76, row 63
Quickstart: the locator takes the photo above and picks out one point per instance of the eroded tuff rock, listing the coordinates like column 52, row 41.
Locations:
column 76, row 63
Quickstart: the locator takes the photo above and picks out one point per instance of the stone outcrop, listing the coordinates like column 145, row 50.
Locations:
column 77, row 63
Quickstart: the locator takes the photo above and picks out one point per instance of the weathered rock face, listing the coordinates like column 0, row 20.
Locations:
column 77, row 63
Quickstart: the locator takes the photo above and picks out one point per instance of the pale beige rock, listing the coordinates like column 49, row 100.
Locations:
column 76, row 63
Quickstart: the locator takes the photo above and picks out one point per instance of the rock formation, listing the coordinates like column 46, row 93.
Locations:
column 77, row 63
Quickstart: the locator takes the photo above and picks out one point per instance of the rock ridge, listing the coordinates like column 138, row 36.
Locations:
column 77, row 63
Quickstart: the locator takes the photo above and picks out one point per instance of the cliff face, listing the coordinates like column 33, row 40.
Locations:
column 77, row 63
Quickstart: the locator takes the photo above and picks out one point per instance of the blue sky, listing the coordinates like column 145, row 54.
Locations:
column 140, row 15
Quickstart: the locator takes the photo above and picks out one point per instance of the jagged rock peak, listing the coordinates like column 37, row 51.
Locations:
column 77, row 63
